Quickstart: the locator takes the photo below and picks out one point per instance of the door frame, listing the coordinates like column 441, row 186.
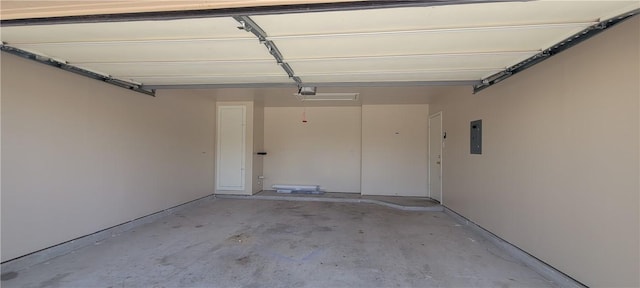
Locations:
column 439, row 113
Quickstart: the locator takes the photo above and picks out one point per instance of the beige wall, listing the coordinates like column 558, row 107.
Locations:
column 324, row 151
column 559, row 172
column 79, row 155
column 1, row 213
column 394, row 150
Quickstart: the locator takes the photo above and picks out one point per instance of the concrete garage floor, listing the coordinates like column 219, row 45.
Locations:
column 398, row 202
column 254, row 243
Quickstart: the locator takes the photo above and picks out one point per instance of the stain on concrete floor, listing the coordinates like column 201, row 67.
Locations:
column 8, row 276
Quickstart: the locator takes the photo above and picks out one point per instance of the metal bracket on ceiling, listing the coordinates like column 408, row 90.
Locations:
column 247, row 24
column 137, row 87
column 555, row 49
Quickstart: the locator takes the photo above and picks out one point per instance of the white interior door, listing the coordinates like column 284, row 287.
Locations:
column 435, row 156
column 230, row 164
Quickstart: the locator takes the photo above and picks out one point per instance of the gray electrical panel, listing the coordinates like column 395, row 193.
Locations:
column 476, row 136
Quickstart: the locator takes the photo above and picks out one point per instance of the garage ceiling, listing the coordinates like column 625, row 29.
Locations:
column 423, row 44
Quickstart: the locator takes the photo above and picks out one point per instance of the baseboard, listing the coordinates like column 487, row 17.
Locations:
column 49, row 253
column 542, row 268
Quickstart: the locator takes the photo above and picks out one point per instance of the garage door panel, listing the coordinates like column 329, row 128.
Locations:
column 185, row 68
column 201, row 28
column 404, row 63
column 440, row 42
column 429, row 42
column 213, row 79
column 444, row 16
column 244, row 49
column 414, row 76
